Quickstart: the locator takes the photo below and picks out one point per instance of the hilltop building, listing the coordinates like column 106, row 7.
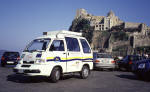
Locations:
column 103, row 23
column 138, row 33
column 100, row 22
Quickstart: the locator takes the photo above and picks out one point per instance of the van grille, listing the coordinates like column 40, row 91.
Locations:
column 25, row 65
column 30, row 62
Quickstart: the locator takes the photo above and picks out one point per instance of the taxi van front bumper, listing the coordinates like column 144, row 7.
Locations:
column 33, row 70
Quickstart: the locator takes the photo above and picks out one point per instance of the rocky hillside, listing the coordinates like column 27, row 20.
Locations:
column 115, row 40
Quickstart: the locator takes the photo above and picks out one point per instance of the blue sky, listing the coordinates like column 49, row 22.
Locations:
column 23, row 20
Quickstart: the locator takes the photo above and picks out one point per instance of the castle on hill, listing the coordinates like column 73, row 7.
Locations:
column 103, row 23
column 138, row 33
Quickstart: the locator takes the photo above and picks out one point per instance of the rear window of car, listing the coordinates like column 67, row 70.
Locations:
column 11, row 54
column 104, row 56
column 133, row 58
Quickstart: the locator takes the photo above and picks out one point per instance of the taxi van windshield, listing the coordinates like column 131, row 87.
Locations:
column 38, row 45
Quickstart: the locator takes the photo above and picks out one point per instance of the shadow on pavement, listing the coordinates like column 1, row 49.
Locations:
column 8, row 66
column 131, row 77
column 25, row 79
column 35, row 79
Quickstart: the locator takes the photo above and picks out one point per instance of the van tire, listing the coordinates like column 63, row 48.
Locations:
column 85, row 72
column 55, row 75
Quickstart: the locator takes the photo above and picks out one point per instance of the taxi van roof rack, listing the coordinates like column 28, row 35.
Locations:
column 62, row 33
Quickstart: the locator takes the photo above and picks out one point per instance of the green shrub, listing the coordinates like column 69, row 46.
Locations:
column 119, row 36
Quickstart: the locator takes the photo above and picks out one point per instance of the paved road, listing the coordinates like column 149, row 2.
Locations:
column 99, row 81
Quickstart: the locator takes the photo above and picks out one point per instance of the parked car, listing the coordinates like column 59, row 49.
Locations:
column 142, row 69
column 127, row 62
column 9, row 58
column 1, row 54
column 103, row 61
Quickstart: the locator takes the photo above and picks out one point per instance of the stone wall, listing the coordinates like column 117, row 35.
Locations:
column 100, row 23
column 138, row 33
column 131, row 25
column 141, row 41
column 81, row 13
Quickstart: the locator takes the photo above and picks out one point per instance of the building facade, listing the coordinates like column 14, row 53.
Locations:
column 101, row 23
column 138, row 33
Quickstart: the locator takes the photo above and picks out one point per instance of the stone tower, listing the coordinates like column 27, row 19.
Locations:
column 110, row 14
column 81, row 13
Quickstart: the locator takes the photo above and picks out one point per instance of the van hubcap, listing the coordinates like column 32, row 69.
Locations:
column 57, row 75
column 86, row 72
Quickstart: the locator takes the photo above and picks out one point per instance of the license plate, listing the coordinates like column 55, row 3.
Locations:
column 106, row 62
column 10, row 62
column 21, row 71
column 141, row 66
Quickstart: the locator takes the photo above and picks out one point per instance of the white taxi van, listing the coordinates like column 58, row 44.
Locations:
column 55, row 54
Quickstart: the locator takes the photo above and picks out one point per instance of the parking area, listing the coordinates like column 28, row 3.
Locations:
column 99, row 81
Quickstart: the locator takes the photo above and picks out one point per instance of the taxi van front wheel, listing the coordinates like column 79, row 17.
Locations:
column 55, row 75
column 85, row 72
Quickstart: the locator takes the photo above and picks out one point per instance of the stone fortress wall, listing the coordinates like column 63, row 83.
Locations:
column 100, row 22
column 104, row 23
column 131, row 25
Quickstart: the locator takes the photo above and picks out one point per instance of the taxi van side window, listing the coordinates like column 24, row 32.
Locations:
column 72, row 44
column 57, row 45
column 85, row 46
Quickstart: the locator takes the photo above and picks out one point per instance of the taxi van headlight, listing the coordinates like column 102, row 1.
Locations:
column 38, row 61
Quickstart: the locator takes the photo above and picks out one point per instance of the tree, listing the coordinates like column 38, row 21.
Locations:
column 82, row 25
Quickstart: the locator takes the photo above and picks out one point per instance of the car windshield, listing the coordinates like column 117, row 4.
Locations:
column 103, row 56
column 38, row 45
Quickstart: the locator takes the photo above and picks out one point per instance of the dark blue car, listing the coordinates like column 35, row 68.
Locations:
column 9, row 58
column 127, row 62
column 142, row 69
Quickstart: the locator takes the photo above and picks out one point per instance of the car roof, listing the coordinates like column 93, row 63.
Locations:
column 10, row 52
